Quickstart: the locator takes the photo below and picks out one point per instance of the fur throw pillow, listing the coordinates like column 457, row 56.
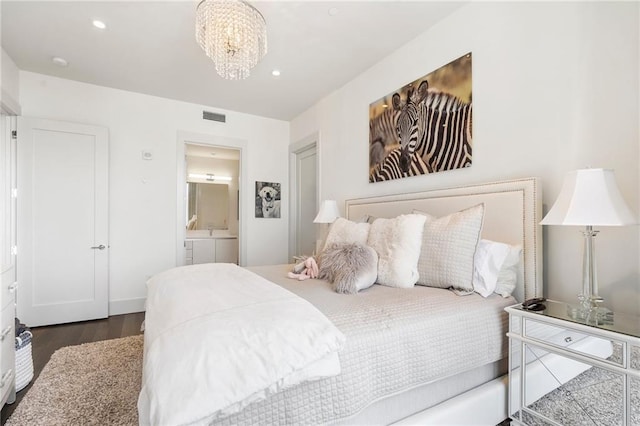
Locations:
column 397, row 242
column 349, row 267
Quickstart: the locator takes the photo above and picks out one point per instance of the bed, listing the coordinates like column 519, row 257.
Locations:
column 404, row 355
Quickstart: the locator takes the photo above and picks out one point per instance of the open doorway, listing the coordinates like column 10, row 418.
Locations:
column 210, row 188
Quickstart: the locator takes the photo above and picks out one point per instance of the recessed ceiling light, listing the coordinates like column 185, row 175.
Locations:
column 61, row 62
column 333, row 11
column 99, row 24
column 275, row 73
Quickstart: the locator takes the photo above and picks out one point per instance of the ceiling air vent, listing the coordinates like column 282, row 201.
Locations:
column 206, row 115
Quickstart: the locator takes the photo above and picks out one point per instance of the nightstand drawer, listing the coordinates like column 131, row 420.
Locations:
column 572, row 340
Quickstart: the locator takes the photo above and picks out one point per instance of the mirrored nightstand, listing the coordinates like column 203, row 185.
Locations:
column 565, row 371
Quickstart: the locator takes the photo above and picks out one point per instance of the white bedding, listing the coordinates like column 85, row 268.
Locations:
column 219, row 337
column 396, row 340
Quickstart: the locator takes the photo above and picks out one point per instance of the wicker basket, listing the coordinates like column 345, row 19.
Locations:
column 24, row 360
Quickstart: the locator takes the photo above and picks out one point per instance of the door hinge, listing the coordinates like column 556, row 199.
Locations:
column 14, row 192
column 14, row 250
column 14, row 134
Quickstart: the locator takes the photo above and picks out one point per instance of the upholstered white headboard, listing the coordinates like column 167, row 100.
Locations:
column 513, row 212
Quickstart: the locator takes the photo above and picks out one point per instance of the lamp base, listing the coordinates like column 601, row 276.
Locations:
column 590, row 314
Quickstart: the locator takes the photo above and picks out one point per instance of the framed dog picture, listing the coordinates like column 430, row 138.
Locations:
column 268, row 199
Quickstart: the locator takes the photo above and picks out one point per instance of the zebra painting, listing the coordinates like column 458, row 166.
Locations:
column 436, row 126
column 390, row 168
column 382, row 136
column 425, row 126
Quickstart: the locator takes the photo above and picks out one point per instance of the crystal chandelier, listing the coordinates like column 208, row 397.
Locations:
column 233, row 34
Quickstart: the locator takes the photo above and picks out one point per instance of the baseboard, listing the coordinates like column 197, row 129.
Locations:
column 126, row 306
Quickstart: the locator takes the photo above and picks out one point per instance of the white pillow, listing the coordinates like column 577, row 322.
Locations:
column 448, row 249
column 490, row 257
column 367, row 218
column 397, row 242
column 508, row 276
column 344, row 231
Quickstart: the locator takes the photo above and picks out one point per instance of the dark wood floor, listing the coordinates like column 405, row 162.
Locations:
column 46, row 340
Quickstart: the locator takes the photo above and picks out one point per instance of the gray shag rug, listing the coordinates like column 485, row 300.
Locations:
column 591, row 398
column 92, row 384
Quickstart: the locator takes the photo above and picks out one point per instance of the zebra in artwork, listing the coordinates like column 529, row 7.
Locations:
column 436, row 126
column 390, row 167
column 382, row 134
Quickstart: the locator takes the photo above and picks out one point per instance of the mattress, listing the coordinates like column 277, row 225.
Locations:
column 396, row 340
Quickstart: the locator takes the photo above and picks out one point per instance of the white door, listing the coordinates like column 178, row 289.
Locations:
column 306, row 208
column 63, row 247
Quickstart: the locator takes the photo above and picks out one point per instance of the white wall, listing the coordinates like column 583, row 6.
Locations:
column 555, row 88
column 9, row 83
column 143, row 194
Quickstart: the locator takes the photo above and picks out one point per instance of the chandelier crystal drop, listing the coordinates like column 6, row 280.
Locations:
column 233, row 34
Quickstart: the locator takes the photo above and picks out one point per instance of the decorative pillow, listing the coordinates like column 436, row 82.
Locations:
column 448, row 249
column 344, row 231
column 367, row 218
column 508, row 276
column 349, row 267
column 490, row 257
column 397, row 242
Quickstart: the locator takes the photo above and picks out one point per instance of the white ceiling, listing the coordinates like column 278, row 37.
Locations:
column 149, row 47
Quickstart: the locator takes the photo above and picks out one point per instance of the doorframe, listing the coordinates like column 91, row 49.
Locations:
column 184, row 137
column 310, row 141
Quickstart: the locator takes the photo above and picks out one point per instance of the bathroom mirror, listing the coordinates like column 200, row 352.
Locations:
column 212, row 192
column 208, row 203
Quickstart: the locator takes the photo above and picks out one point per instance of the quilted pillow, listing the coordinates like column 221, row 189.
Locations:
column 448, row 249
column 397, row 242
column 344, row 231
column 349, row 267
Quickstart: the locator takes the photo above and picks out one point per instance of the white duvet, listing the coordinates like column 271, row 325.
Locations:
column 218, row 337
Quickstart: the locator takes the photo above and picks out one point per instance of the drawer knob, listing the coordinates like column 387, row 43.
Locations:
column 5, row 377
column 5, row 332
column 568, row 339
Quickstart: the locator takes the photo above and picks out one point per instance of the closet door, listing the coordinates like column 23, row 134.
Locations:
column 63, row 222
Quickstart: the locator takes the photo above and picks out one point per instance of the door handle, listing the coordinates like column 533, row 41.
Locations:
column 100, row 247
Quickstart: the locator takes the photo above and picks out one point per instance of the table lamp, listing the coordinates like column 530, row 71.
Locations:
column 590, row 197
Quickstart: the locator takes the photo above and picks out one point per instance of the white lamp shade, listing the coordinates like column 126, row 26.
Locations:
column 328, row 212
column 590, row 197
